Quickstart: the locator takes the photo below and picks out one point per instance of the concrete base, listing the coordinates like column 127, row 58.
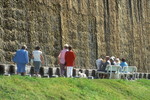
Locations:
column 90, row 77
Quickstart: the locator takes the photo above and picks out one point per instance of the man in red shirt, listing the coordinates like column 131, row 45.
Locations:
column 69, row 58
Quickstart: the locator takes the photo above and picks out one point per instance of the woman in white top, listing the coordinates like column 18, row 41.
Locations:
column 117, row 61
column 37, row 59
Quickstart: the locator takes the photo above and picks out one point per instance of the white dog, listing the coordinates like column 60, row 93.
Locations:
column 82, row 75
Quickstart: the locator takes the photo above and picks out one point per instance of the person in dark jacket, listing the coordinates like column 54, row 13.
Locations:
column 21, row 59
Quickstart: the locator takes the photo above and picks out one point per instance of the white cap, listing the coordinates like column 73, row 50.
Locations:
column 66, row 45
column 112, row 58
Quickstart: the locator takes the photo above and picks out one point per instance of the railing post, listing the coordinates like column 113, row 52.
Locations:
column 2, row 69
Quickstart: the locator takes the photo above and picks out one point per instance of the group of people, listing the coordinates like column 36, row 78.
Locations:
column 21, row 58
column 101, row 63
column 66, row 60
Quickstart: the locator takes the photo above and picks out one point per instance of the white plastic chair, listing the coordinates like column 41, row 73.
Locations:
column 113, row 70
column 100, row 72
column 133, row 71
column 129, row 70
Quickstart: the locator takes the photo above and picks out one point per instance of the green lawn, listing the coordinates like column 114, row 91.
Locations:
column 31, row 88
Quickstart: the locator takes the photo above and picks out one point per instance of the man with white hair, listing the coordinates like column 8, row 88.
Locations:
column 117, row 61
column 61, row 59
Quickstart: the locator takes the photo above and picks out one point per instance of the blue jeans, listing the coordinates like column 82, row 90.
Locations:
column 37, row 65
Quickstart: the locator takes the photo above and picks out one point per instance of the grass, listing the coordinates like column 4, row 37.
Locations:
column 31, row 88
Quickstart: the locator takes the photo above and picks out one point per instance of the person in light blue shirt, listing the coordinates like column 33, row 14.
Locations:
column 21, row 59
column 123, row 63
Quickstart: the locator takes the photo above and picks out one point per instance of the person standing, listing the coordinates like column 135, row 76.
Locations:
column 70, row 60
column 21, row 59
column 37, row 59
column 61, row 59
